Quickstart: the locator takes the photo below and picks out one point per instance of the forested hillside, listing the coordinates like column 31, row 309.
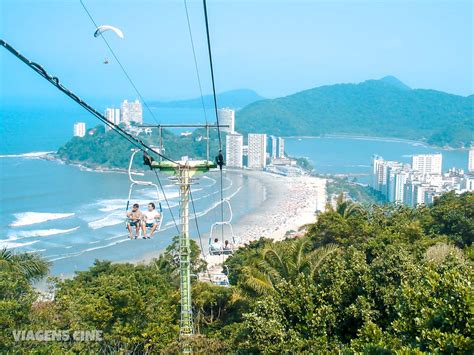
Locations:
column 366, row 280
column 110, row 150
column 385, row 108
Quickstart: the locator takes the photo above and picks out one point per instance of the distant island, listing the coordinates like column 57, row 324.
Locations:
column 106, row 149
column 382, row 108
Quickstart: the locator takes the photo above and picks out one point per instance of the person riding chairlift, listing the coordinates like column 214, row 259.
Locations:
column 151, row 219
column 216, row 247
column 227, row 247
column 134, row 220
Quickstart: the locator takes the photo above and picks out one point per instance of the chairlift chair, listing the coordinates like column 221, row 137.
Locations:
column 134, row 182
column 222, row 251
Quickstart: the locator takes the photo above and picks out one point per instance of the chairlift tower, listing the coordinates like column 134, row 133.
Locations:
column 184, row 171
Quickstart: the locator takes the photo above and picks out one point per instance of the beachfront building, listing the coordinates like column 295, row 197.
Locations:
column 257, row 151
column 470, row 164
column 379, row 173
column 427, row 163
column 79, row 129
column 234, row 150
column 227, row 117
column 273, row 146
column 113, row 116
column 281, row 148
column 131, row 112
column 418, row 184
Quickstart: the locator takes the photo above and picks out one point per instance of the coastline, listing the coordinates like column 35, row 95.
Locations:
column 377, row 138
column 289, row 205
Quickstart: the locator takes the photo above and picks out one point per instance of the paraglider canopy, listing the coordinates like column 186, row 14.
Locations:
column 103, row 28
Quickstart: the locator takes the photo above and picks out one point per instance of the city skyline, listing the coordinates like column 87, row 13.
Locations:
column 419, row 182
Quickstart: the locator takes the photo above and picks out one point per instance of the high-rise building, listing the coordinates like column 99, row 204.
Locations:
column 379, row 173
column 257, row 151
column 273, row 145
column 396, row 190
column 227, row 117
column 427, row 163
column 281, row 147
column 112, row 115
column 131, row 112
column 79, row 129
column 470, row 165
column 233, row 150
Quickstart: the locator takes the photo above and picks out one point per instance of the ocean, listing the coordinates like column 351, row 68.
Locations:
column 73, row 216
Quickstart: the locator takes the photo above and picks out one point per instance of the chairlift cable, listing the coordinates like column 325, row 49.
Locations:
column 215, row 104
column 167, row 201
column 198, row 231
column 195, row 60
column 138, row 143
column 120, row 64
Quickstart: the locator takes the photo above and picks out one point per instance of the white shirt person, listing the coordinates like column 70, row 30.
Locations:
column 151, row 219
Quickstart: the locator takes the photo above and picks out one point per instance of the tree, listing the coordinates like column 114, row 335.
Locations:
column 435, row 307
column 283, row 261
column 31, row 266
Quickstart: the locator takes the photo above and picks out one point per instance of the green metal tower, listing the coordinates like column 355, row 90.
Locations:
column 184, row 170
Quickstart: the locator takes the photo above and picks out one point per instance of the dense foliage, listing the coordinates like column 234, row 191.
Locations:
column 378, row 279
column 384, row 108
column 108, row 149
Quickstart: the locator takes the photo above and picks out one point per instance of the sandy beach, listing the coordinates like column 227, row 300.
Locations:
column 291, row 202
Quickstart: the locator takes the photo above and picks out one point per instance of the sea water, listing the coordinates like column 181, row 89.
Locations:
column 73, row 216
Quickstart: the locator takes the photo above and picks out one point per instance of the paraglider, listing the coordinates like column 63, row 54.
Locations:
column 104, row 28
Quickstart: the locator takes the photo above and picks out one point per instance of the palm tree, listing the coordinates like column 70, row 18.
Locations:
column 30, row 265
column 348, row 208
column 283, row 261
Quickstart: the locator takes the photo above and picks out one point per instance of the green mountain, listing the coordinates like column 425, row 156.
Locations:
column 384, row 107
column 234, row 99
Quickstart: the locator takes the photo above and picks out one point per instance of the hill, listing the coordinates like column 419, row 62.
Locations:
column 106, row 149
column 234, row 99
column 384, row 107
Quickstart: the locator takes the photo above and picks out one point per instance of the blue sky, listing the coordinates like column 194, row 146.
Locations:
column 273, row 47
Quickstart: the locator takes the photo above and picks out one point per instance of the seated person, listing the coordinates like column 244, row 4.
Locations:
column 227, row 247
column 134, row 218
column 216, row 247
column 151, row 219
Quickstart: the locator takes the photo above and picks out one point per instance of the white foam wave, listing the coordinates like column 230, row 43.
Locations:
column 65, row 256
column 110, row 220
column 29, row 218
column 41, row 233
column 31, row 155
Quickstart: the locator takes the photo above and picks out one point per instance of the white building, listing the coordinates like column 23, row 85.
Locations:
column 227, row 117
column 281, row 148
column 273, row 145
column 131, row 112
column 470, row 164
column 234, row 150
column 79, row 129
column 257, row 151
column 397, row 190
column 427, row 163
column 113, row 116
column 379, row 173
